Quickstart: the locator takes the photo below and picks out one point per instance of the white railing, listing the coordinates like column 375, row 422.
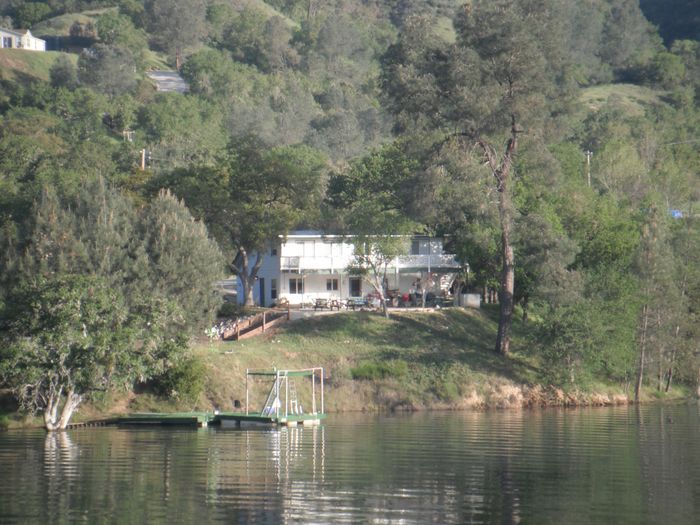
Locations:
column 314, row 263
column 443, row 260
column 340, row 263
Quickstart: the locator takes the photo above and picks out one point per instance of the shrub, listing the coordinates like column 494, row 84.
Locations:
column 229, row 310
column 184, row 381
column 372, row 370
column 446, row 390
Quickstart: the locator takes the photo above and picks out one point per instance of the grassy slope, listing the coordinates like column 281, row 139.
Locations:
column 270, row 11
column 60, row 25
column 17, row 63
column 631, row 98
column 447, row 357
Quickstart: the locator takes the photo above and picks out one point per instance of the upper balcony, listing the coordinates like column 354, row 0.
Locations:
column 433, row 262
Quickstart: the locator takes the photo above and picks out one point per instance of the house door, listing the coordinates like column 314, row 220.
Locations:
column 262, row 291
column 355, row 287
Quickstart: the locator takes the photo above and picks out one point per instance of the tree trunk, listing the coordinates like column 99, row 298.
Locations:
column 672, row 361
column 51, row 411
column 502, row 174
column 506, row 295
column 642, row 350
column 248, row 275
column 69, row 406
column 52, row 421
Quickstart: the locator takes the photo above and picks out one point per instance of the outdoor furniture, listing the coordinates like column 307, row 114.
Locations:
column 335, row 303
column 355, row 302
column 320, row 303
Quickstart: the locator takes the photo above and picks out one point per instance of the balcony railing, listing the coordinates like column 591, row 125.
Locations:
column 423, row 262
column 443, row 260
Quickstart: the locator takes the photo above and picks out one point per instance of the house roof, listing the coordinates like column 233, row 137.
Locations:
column 316, row 234
column 18, row 32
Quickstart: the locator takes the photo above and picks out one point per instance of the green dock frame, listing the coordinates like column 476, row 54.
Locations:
column 281, row 407
column 226, row 419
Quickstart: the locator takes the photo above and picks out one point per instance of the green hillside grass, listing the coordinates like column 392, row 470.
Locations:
column 270, row 11
column 18, row 63
column 60, row 25
column 412, row 361
column 631, row 98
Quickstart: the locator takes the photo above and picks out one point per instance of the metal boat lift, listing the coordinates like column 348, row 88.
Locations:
column 282, row 405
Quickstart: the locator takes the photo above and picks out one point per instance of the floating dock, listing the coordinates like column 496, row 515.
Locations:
column 223, row 419
column 282, row 406
column 195, row 419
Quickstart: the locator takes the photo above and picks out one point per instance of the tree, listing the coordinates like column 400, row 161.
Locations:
column 372, row 253
column 183, row 130
column 252, row 199
column 176, row 25
column 64, row 338
column 500, row 75
column 372, row 201
column 159, row 250
column 63, row 73
column 96, row 292
column 184, row 261
column 107, row 69
column 115, row 29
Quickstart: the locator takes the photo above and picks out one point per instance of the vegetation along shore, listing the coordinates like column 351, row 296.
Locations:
column 548, row 146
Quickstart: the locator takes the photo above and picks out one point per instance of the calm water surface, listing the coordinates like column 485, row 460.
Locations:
column 612, row 465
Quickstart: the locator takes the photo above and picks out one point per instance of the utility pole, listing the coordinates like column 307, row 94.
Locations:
column 143, row 159
column 588, row 154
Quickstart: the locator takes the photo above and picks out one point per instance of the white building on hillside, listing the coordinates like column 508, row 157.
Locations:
column 306, row 266
column 20, row 39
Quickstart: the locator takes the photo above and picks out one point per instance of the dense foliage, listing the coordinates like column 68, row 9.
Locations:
column 554, row 142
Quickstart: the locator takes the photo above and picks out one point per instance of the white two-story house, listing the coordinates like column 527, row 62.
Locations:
column 308, row 265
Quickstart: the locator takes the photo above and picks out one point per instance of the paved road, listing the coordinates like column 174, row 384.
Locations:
column 168, row 81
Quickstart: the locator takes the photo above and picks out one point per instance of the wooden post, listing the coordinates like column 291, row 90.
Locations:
column 322, row 407
column 246, row 391
column 264, row 321
column 143, row 159
column 286, row 394
column 313, row 392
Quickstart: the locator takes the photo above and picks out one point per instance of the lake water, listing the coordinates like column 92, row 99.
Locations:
column 609, row 465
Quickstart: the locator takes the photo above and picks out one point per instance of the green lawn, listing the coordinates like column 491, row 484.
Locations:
column 440, row 359
column 17, row 64
column 60, row 25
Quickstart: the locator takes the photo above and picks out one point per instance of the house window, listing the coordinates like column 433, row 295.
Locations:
column 273, row 289
column 7, row 41
column 332, row 285
column 415, row 247
column 296, row 285
column 355, row 287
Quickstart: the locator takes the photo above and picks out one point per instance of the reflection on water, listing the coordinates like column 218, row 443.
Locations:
column 618, row 465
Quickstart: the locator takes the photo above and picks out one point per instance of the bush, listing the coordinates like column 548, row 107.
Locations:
column 229, row 310
column 372, row 370
column 184, row 381
column 446, row 390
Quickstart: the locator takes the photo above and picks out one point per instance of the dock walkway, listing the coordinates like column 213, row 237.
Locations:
column 223, row 419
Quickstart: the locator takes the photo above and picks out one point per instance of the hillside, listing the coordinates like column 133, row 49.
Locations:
column 630, row 97
column 415, row 360
column 17, row 64
column 60, row 25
